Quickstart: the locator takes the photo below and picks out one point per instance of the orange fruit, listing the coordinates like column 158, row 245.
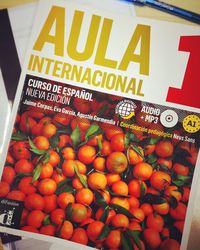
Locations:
column 111, row 130
column 120, row 220
column 64, row 199
column 79, row 236
column 94, row 140
column 9, row 159
column 62, row 119
column 135, row 226
column 79, row 212
column 26, row 186
column 164, row 148
column 26, row 123
column 167, row 163
column 151, row 190
column 142, row 171
column 100, row 211
column 54, row 158
column 134, row 157
column 112, row 178
column 179, row 224
column 84, row 196
column 170, row 244
column 120, row 187
column 186, row 194
column 149, row 149
column 138, row 214
column 116, row 162
column 113, row 240
column 50, row 203
column 66, row 230
column 160, row 180
column 57, row 177
column 82, row 123
column 97, row 181
column 45, row 120
column 99, row 163
column 76, row 183
column 68, row 168
column 23, row 166
column 68, row 153
column 165, row 233
column 4, row 188
column 86, row 154
column 147, row 208
column 37, row 129
column 180, row 169
column 118, row 142
column 152, row 238
column 82, row 168
column 172, row 191
column 94, row 229
column 133, row 202
column 179, row 212
column 34, row 202
column 41, row 142
column 34, row 113
column 137, row 188
column 106, row 148
column 8, row 174
column 63, row 140
column 20, row 150
column 49, row 130
column 46, row 171
column 105, row 194
column 162, row 208
column 155, row 221
column 35, row 218
column 123, row 202
column 69, row 165
column 47, row 186
column 57, row 216
column 82, row 105
column 16, row 195
column 48, row 230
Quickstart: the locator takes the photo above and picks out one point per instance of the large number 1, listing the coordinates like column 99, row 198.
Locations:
column 189, row 94
column 9, row 61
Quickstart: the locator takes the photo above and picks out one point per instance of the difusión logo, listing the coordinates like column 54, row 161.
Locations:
column 6, row 217
column 126, row 109
column 10, row 212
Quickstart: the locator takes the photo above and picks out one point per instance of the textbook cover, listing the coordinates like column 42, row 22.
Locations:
column 104, row 139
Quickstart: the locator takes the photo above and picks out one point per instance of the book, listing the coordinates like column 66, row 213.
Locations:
column 91, row 107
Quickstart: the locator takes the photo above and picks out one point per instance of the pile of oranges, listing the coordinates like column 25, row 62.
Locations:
column 98, row 184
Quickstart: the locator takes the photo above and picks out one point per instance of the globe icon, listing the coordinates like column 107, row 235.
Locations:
column 126, row 108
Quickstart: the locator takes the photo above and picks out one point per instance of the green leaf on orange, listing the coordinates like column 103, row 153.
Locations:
column 104, row 232
column 75, row 136
column 82, row 180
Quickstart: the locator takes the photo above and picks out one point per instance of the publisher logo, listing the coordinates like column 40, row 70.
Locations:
column 10, row 212
column 191, row 123
column 169, row 118
column 126, row 109
column 6, row 217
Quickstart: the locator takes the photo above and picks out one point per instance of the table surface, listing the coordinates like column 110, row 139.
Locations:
column 192, row 5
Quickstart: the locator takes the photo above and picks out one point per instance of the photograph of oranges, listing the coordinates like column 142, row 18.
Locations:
column 96, row 183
